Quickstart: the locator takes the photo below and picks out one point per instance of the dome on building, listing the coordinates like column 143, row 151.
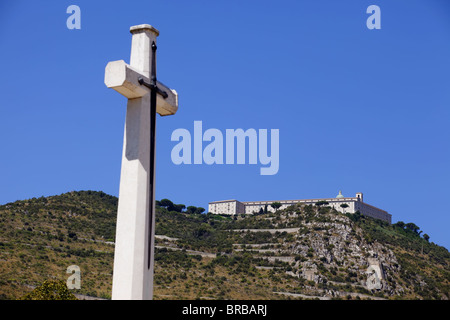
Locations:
column 340, row 195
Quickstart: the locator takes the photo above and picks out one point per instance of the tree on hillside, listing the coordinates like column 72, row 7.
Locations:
column 166, row 203
column 200, row 210
column 276, row 206
column 178, row 207
column 400, row 224
column 191, row 209
column 426, row 237
column 203, row 231
column 344, row 205
column 321, row 203
column 170, row 206
column 411, row 226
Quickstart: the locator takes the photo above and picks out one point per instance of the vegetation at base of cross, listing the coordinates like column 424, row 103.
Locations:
column 50, row 290
column 204, row 255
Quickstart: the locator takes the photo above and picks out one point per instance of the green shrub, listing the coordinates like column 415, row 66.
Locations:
column 50, row 290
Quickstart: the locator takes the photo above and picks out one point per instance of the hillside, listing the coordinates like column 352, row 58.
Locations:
column 302, row 252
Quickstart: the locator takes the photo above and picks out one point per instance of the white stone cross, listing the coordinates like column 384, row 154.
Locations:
column 134, row 246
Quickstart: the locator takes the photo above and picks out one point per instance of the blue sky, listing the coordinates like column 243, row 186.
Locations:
column 358, row 110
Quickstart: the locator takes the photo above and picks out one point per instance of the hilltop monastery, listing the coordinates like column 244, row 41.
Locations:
column 354, row 204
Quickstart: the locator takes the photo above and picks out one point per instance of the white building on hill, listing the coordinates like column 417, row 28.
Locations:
column 354, row 204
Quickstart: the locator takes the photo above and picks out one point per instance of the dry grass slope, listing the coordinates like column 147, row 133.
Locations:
column 302, row 252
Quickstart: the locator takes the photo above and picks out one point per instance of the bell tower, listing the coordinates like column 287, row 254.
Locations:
column 359, row 195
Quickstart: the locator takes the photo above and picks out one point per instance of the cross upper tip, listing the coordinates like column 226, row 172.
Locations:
column 141, row 27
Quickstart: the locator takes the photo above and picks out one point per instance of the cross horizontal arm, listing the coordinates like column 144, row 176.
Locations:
column 124, row 79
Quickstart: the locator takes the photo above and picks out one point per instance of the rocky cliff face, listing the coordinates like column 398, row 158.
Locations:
column 332, row 252
column 337, row 247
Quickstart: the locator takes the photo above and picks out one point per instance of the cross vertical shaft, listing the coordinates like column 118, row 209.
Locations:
column 135, row 234
column 133, row 266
